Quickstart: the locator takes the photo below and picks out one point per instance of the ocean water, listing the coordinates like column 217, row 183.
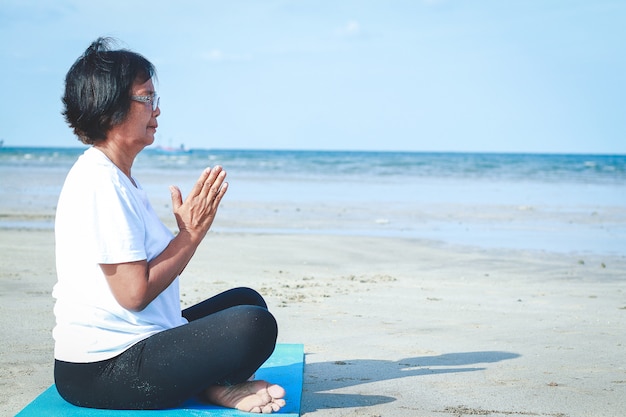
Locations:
column 528, row 201
column 599, row 169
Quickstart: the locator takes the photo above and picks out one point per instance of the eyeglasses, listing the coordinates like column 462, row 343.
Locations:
column 153, row 100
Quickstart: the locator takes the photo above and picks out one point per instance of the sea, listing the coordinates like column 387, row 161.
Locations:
column 545, row 202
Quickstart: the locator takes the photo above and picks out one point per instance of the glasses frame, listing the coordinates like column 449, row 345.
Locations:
column 153, row 100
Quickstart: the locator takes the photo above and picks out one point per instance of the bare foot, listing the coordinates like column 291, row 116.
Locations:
column 251, row 396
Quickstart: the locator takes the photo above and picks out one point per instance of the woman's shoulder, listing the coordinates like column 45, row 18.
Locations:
column 94, row 176
column 94, row 166
column 94, row 159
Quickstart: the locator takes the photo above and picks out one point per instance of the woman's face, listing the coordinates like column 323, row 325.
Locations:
column 140, row 125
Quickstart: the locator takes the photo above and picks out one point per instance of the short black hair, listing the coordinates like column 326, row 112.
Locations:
column 98, row 88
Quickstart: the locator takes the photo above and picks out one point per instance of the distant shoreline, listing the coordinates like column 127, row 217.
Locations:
column 154, row 148
column 551, row 203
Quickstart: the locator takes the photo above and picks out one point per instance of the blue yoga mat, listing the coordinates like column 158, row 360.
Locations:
column 285, row 367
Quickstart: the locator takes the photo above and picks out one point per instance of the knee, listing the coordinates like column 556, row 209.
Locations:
column 266, row 319
column 261, row 323
column 248, row 296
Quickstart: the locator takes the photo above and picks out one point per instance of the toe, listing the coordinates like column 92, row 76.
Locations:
column 276, row 391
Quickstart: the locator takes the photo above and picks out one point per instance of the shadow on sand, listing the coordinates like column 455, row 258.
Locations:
column 322, row 378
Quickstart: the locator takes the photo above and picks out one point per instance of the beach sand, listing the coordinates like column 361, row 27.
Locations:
column 391, row 327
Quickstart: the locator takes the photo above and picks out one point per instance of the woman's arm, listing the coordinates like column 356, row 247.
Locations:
column 136, row 284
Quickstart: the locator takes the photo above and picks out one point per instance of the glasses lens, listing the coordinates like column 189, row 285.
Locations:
column 155, row 102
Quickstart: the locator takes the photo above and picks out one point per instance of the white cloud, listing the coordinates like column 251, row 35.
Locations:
column 352, row 28
column 214, row 55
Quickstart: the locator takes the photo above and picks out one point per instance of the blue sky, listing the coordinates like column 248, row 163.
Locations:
column 421, row 75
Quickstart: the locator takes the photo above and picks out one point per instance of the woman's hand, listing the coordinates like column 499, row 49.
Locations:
column 135, row 284
column 196, row 214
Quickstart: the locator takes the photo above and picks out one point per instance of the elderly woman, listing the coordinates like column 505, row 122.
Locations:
column 121, row 339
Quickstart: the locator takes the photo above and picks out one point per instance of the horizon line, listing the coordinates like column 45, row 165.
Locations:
column 192, row 149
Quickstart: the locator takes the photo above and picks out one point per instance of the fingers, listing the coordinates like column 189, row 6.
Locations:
column 203, row 201
column 197, row 188
column 213, row 183
column 206, row 195
column 209, row 183
column 218, row 197
column 177, row 197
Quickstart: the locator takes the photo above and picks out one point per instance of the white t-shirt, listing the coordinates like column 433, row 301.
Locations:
column 102, row 218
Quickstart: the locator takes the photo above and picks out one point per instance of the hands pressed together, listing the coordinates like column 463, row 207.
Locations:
column 196, row 214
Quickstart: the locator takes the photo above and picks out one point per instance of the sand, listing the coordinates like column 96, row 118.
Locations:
column 391, row 327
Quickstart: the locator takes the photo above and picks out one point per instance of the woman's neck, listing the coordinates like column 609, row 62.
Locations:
column 122, row 158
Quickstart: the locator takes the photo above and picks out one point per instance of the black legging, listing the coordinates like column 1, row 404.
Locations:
column 227, row 339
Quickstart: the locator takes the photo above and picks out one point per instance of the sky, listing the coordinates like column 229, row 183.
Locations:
column 540, row 76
